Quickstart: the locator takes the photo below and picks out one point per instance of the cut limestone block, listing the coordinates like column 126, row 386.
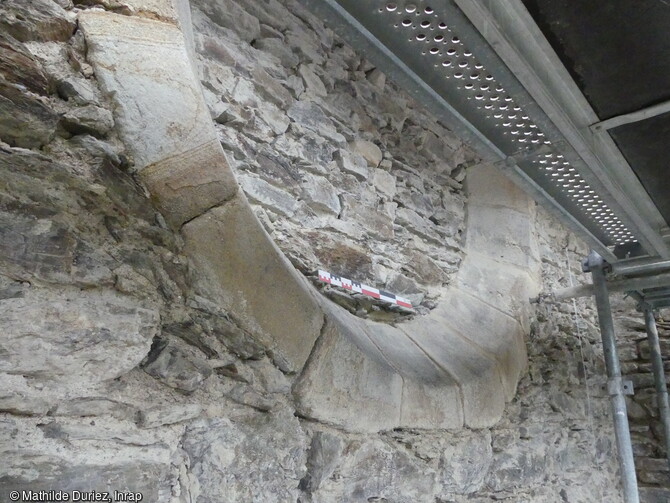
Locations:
column 241, row 269
column 162, row 117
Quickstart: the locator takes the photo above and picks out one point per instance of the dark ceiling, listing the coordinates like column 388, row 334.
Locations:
column 618, row 53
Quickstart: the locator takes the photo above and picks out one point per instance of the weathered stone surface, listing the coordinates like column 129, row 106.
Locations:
column 257, row 457
column 18, row 66
column 47, row 472
column 36, row 248
column 325, row 451
column 25, row 121
column 42, row 20
column 77, row 89
column 309, row 115
column 398, row 476
column 465, row 463
column 21, row 405
column 544, row 450
column 375, row 222
column 70, row 337
column 418, row 225
column 229, row 14
column 176, row 365
column 377, row 78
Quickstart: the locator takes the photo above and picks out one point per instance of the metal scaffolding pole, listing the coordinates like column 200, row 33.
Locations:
column 595, row 264
column 659, row 375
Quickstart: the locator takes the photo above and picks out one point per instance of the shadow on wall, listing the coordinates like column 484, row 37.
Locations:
column 456, row 366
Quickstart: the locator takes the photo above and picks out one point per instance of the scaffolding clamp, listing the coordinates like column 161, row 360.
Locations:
column 617, row 385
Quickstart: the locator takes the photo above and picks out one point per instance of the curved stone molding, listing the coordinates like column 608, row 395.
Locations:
column 454, row 367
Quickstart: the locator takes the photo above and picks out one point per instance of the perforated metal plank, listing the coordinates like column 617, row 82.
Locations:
column 431, row 49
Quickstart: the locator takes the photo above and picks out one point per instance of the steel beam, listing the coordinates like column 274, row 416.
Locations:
column 659, row 376
column 638, row 115
column 639, row 267
column 596, row 266
column 622, row 285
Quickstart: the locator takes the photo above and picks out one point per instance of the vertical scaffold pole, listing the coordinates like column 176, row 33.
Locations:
column 595, row 264
column 659, row 375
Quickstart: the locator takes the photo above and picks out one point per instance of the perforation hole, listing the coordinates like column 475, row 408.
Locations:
column 499, row 108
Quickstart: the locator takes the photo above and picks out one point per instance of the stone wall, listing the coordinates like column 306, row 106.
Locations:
column 343, row 169
column 117, row 374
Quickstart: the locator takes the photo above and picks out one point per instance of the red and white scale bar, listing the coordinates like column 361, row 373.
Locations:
column 354, row 286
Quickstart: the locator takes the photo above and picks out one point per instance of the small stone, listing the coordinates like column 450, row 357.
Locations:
column 97, row 148
column 305, row 44
column 313, row 84
column 268, row 196
column 353, row 164
column 324, row 453
column 309, row 115
column 275, row 118
column 89, row 119
column 270, row 88
column 279, row 49
column 406, row 287
column 26, row 119
column 376, row 223
column 245, row 94
column 270, row 377
column 376, row 78
column 370, row 152
column 418, row 225
column 245, row 395
column 384, row 182
column 78, row 90
column 320, row 195
column 386, row 164
column 94, row 406
column 162, row 415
